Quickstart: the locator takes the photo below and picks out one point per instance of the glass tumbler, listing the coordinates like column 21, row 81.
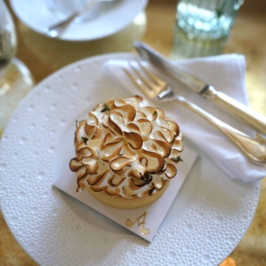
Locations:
column 15, row 78
column 203, row 26
column 8, row 40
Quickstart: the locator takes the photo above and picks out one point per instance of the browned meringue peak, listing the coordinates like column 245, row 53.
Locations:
column 170, row 171
column 157, row 134
column 144, row 126
column 112, row 149
column 116, row 180
column 91, row 164
column 127, row 112
column 159, row 146
column 133, row 139
column 85, row 152
column 98, row 179
column 178, row 145
column 135, row 101
column 157, row 182
column 174, row 154
column 149, row 112
column 92, row 120
column 140, row 115
column 126, row 148
column 113, row 121
column 160, row 112
column 152, row 161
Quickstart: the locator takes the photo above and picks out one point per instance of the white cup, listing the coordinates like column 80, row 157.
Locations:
column 64, row 8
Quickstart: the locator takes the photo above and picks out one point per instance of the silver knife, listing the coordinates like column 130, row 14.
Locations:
column 239, row 110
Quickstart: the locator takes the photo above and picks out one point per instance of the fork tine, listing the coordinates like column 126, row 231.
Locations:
column 152, row 76
column 141, row 82
column 144, row 80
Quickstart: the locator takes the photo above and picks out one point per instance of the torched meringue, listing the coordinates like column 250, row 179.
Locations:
column 126, row 148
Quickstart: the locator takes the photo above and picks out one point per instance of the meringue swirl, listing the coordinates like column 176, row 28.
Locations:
column 126, row 148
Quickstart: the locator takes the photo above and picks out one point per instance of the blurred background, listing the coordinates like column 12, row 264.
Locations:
column 156, row 28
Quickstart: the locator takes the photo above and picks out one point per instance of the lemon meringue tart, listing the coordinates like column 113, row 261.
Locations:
column 126, row 152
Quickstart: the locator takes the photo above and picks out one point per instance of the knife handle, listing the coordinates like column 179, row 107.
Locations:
column 253, row 148
column 239, row 110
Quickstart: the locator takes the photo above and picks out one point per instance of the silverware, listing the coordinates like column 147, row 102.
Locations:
column 56, row 29
column 157, row 89
column 240, row 111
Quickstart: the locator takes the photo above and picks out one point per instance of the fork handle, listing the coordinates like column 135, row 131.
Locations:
column 254, row 149
column 239, row 110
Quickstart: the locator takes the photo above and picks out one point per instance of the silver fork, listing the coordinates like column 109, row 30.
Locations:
column 157, row 89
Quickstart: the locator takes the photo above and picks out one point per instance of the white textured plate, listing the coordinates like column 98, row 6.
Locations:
column 206, row 221
column 37, row 16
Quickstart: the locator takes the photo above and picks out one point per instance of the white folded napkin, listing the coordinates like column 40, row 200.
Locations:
column 226, row 73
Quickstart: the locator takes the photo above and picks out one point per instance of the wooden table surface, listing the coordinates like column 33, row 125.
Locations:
column 43, row 56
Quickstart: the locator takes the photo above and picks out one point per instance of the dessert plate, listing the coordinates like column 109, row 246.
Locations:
column 37, row 16
column 208, row 218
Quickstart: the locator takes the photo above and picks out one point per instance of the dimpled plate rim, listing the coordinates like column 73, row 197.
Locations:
column 211, row 226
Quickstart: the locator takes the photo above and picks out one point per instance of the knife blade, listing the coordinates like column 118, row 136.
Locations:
column 239, row 110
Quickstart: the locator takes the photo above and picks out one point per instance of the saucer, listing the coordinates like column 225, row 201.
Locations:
column 37, row 16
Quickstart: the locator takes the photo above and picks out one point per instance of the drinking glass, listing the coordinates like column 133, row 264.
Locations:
column 15, row 79
column 8, row 40
column 203, row 26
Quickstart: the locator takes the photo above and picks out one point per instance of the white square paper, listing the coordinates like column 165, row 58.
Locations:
column 143, row 221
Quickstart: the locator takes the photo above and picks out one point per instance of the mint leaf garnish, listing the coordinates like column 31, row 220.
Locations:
column 105, row 108
column 85, row 140
column 177, row 159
